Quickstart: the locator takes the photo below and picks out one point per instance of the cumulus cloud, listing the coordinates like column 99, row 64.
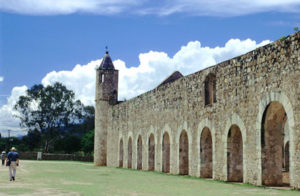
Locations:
column 81, row 79
column 153, row 68
column 163, row 7
column 1, row 79
column 7, row 119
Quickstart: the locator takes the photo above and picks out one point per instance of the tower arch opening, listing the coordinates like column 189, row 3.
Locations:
column 183, row 153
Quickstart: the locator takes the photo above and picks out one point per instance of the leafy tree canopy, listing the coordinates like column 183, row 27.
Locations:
column 87, row 142
column 51, row 110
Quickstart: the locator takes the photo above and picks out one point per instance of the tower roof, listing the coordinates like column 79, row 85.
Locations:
column 106, row 62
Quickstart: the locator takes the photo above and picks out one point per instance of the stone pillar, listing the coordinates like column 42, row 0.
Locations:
column 100, row 147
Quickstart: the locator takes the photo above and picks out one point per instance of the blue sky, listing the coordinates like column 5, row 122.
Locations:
column 39, row 38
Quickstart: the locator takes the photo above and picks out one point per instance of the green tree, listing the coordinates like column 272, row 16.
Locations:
column 296, row 29
column 32, row 140
column 7, row 142
column 51, row 110
column 67, row 144
column 87, row 123
column 87, row 142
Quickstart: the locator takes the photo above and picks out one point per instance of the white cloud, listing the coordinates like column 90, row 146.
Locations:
column 53, row 7
column 81, row 79
column 1, row 79
column 154, row 67
column 163, row 7
column 226, row 7
column 7, row 120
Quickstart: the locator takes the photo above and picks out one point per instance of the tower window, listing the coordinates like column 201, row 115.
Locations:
column 210, row 89
column 101, row 79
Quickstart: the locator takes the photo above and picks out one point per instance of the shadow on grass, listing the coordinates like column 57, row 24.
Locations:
column 209, row 180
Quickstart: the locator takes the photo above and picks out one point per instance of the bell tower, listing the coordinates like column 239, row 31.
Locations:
column 106, row 96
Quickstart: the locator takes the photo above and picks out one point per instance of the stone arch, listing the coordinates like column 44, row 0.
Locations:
column 210, row 89
column 263, row 104
column 129, row 153
column 234, row 155
column 235, row 120
column 272, row 143
column 183, row 153
column 166, row 148
column 121, row 153
column 205, row 123
column 139, row 161
column 206, row 149
column 184, row 126
column 151, row 152
column 157, row 148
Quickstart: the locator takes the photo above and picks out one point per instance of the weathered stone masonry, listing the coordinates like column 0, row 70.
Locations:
column 230, row 121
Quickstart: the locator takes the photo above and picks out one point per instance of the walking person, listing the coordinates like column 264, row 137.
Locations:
column 3, row 156
column 12, row 161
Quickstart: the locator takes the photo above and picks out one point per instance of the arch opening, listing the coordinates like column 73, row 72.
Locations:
column 151, row 153
column 166, row 153
column 121, row 152
column 129, row 159
column 206, row 154
column 234, row 154
column 287, row 156
column 286, row 166
column 210, row 89
column 272, row 145
column 139, row 153
column 183, row 154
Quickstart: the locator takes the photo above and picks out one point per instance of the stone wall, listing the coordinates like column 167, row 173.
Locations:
column 50, row 156
column 245, row 86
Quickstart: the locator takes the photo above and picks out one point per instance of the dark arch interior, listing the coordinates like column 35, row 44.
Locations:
column 129, row 160
column 121, row 154
column 210, row 89
column 234, row 155
column 166, row 153
column 272, row 141
column 183, row 154
column 206, row 154
column 151, row 153
column 139, row 153
column 286, row 166
column 287, row 156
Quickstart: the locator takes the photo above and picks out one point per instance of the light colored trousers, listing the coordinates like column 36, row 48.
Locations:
column 12, row 169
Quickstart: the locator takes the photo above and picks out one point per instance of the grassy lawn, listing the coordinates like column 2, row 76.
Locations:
column 78, row 178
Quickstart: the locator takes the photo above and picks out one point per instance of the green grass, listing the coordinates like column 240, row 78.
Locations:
column 78, row 178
